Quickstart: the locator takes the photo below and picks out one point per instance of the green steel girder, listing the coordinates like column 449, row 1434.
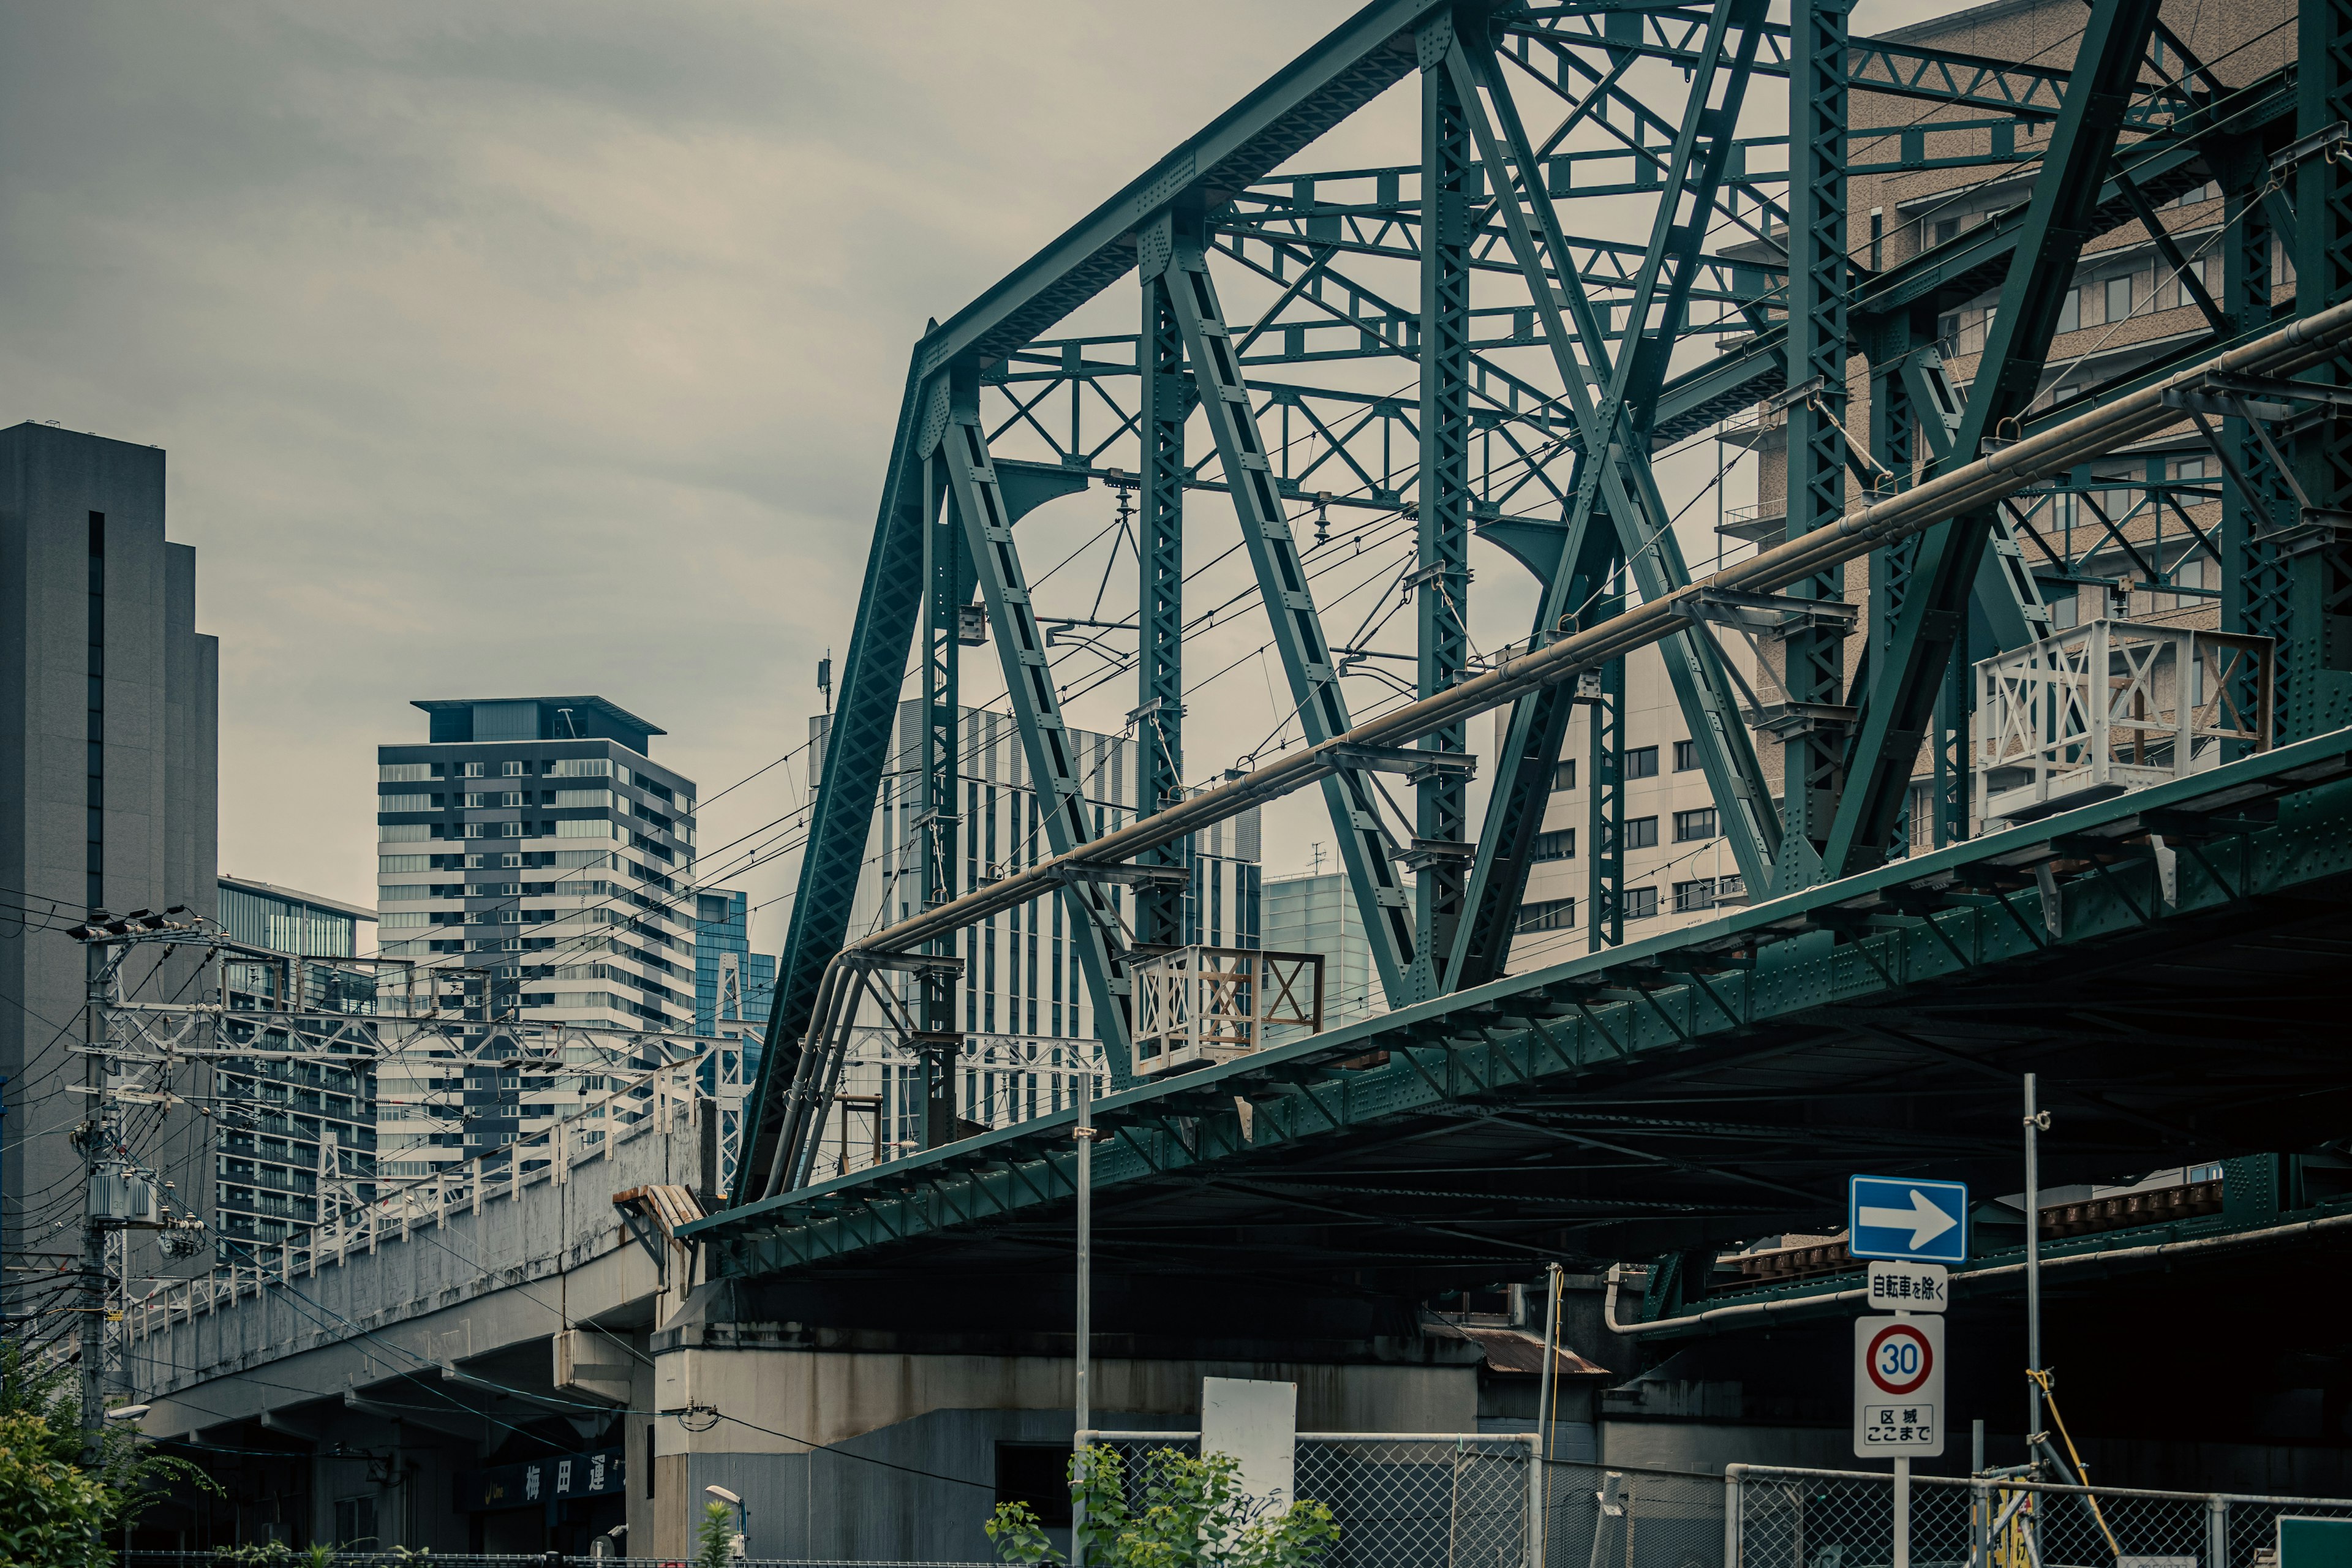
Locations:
column 1812, row 669
column 1998, row 1273
column 987, row 518
column 1621, row 483
column 1941, row 930
column 1167, row 401
column 1574, row 563
column 2257, row 571
column 1173, row 246
column 2315, row 632
column 1373, row 50
column 1604, row 922
column 2018, row 87
column 857, row 747
column 1659, row 306
column 1885, row 740
column 1605, row 264
column 948, row 575
column 1441, row 579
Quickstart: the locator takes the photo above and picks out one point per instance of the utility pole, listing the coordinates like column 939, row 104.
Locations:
column 1086, row 1304
column 95, row 1138
column 2036, row 1122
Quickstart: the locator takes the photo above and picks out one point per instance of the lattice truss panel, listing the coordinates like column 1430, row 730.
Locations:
column 1469, row 276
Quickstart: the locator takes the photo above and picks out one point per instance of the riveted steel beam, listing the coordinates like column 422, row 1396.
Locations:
column 1173, row 247
column 2058, row 221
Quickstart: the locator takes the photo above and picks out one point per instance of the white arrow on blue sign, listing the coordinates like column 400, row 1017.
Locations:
column 1889, row 1217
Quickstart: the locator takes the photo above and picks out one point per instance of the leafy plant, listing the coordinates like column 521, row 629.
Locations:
column 45, row 1483
column 49, row 1509
column 413, row 1556
column 318, row 1555
column 1192, row 1514
column 715, row 1546
column 255, row 1555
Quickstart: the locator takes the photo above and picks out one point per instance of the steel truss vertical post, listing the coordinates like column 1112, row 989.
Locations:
column 934, row 820
column 1934, row 619
column 1167, row 401
column 1062, row 804
column 1813, row 760
column 2314, row 677
column 2256, row 567
column 1172, row 245
column 1442, row 574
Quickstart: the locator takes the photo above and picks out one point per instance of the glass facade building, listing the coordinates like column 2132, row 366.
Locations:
column 732, row 984
column 297, row 1140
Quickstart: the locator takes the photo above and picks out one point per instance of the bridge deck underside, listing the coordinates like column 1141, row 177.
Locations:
column 1715, row 1084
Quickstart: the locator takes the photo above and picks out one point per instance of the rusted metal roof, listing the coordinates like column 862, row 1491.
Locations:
column 1517, row 1349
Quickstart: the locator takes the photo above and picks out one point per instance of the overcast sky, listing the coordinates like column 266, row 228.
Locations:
column 511, row 349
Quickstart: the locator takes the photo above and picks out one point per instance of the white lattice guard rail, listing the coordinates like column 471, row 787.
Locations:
column 2110, row 706
column 1197, row 1004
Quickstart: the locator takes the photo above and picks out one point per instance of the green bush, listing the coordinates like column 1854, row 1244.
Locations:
column 47, row 1492
column 50, row 1509
column 1193, row 1515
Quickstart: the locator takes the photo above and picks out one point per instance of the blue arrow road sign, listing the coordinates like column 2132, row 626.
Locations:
column 1919, row 1222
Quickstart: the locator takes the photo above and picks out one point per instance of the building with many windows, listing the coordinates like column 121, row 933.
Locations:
column 732, row 984
column 109, row 747
column 538, row 865
column 296, row 1139
column 1318, row 914
column 302, row 926
column 1678, row 867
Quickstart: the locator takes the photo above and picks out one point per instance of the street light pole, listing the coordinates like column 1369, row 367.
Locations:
column 1085, row 1134
column 2036, row 1122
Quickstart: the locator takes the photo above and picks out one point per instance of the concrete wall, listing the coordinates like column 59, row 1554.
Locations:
column 342, row 1370
column 905, row 1445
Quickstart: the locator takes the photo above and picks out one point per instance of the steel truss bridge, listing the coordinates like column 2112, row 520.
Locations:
column 2162, row 957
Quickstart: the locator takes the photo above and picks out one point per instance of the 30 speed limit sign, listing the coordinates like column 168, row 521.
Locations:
column 1898, row 1386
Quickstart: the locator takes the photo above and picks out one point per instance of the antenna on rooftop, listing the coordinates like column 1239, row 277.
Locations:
column 824, row 679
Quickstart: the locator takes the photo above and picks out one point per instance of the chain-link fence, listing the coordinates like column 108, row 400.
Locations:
column 1483, row 1501
column 229, row 1557
column 1839, row 1519
column 1604, row 1517
column 1409, row 1501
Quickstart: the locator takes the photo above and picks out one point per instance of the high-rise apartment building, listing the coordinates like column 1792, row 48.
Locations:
column 109, row 713
column 538, row 865
column 732, row 984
